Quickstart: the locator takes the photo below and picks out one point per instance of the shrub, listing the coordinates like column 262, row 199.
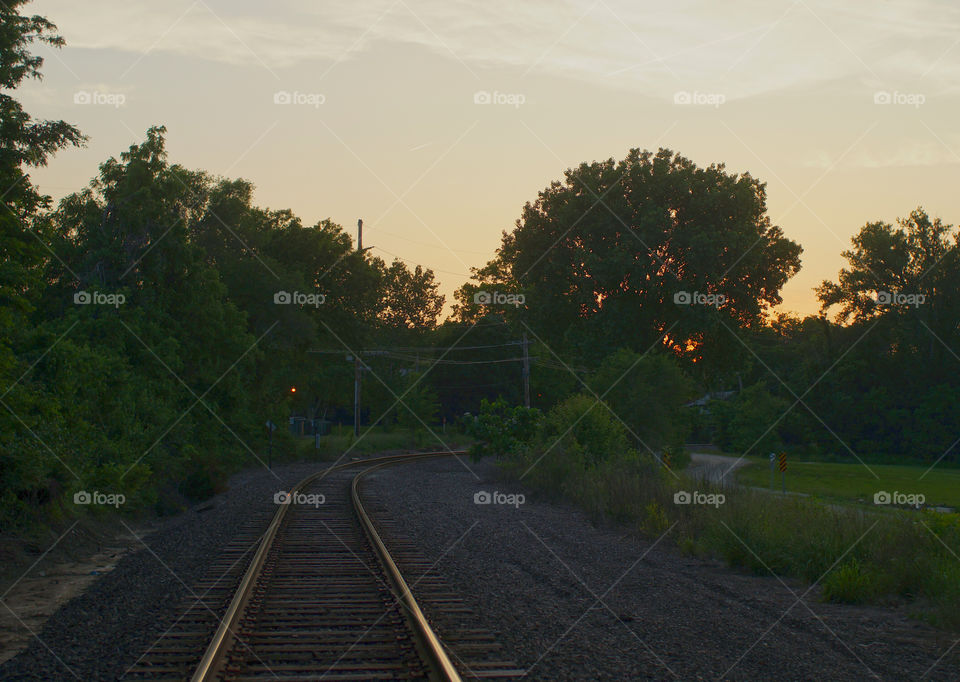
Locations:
column 584, row 427
column 850, row 583
column 501, row 430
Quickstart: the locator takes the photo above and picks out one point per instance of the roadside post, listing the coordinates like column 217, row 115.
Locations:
column 783, row 470
column 773, row 458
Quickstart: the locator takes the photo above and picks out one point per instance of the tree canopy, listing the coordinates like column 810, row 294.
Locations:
column 611, row 256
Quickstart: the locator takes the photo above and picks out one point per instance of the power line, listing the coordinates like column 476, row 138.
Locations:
column 401, row 349
column 449, row 348
column 413, row 262
column 434, row 246
column 559, row 365
column 456, row 362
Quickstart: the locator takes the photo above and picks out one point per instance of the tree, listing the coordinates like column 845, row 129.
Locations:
column 908, row 275
column 420, row 407
column 409, row 298
column 605, row 256
column 748, row 423
column 583, row 430
column 27, row 468
column 24, row 143
column 894, row 391
column 175, row 337
column 648, row 394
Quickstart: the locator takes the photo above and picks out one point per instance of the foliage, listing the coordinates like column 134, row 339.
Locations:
column 419, row 408
column 598, row 275
column 582, row 428
column 410, row 299
column 30, row 470
column 849, row 583
column 646, row 392
column 499, row 429
column 233, row 314
column 748, row 422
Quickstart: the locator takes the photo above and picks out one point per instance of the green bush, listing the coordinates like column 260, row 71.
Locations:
column 850, row 583
column 585, row 428
column 501, row 430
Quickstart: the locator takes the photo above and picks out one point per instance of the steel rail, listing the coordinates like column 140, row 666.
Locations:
column 213, row 658
column 426, row 638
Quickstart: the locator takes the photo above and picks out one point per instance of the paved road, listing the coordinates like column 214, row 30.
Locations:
column 714, row 468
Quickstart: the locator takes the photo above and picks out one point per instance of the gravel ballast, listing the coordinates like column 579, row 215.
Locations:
column 568, row 600
column 573, row 601
column 101, row 633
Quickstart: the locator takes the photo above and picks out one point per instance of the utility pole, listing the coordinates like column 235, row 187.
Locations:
column 356, row 395
column 356, row 356
column 526, row 371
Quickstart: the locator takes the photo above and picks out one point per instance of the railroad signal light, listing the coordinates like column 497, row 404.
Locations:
column 293, row 389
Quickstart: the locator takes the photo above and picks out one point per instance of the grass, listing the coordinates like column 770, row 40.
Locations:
column 900, row 557
column 374, row 439
column 854, row 482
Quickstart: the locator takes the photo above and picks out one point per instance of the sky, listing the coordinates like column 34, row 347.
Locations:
column 436, row 120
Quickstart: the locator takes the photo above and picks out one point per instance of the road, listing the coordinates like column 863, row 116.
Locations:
column 714, row 468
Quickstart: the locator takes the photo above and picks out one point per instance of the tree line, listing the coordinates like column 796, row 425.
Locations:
column 154, row 321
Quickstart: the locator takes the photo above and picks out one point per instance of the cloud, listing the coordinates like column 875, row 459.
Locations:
column 739, row 49
column 911, row 152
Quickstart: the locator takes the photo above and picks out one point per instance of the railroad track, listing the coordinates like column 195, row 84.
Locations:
column 323, row 598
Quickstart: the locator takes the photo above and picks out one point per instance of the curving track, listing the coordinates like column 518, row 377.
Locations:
column 323, row 598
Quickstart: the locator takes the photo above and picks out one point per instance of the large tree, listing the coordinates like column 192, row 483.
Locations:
column 24, row 143
column 909, row 275
column 26, row 465
column 611, row 256
column 410, row 298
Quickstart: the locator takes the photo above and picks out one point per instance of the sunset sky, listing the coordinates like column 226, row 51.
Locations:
column 379, row 109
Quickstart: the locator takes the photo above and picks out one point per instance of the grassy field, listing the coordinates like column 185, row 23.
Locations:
column 855, row 482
